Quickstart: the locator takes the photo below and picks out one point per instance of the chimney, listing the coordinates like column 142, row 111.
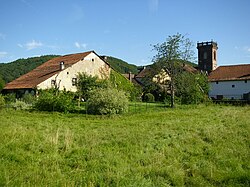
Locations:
column 130, row 76
column 62, row 65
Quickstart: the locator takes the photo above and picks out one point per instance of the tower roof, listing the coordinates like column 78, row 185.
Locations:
column 206, row 44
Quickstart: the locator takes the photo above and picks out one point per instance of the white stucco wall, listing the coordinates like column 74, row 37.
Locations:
column 91, row 65
column 227, row 89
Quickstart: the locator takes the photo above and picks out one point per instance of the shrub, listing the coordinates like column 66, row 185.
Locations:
column 28, row 98
column 2, row 102
column 10, row 98
column 148, row 97
column 50, row 101
column 20, row 105
column 107, row 101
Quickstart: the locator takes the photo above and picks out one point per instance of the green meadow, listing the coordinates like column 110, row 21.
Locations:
column 186, row 146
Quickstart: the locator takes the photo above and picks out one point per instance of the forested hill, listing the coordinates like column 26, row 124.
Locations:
column 122, row 66
column 13, row 70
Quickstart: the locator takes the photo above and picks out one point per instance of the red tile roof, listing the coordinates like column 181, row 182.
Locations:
column 234, row 72
column 45, row 71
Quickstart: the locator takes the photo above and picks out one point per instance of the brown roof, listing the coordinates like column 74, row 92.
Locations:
column 189, row 68
column 234, row 72
column 45, row 71
column 146, row 71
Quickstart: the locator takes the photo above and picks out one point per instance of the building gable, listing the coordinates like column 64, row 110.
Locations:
column 42, row 76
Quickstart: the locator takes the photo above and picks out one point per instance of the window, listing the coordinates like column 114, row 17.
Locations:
column 245, row 81
column 93, row 60
column 205, row 55
column 217, row 82
column 214, row 55
column 233, row 86
column 74, row 81
column 53, row 82
column 67, row 73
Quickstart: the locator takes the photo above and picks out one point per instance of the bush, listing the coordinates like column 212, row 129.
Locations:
column 28, row 98
column 10, row 98
column 107, row 101
column 50, row 101
column 2, row 102
column 149, row 98
column 20, row 105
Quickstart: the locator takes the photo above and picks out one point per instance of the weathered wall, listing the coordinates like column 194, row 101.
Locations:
column 229, row 89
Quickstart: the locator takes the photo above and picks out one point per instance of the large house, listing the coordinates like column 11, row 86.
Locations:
column 60, row 73
column 226, row 82
column 231, row 82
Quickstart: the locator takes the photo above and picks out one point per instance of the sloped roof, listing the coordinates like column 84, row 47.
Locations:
column 234, row 72
column 45, row 71
column 147, row 71
column 189, row 68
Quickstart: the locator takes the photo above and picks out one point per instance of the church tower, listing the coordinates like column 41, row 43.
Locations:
column 207, row 56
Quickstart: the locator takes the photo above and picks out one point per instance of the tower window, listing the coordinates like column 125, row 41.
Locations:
column 214, row 55
column 217, row 82
column 233, row 86
column 245, row 81
column 205, row 55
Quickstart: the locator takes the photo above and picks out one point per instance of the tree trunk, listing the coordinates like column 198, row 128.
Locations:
column 172, row 93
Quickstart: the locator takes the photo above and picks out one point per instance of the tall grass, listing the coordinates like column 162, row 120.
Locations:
column 187, row 146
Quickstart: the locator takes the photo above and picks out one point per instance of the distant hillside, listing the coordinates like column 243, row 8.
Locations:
column 13, row 70
column 122, row 66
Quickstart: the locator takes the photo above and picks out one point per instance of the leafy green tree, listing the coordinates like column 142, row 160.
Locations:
column 170, row 54
column 2, row 83
column 192, row 88
column 87, row 83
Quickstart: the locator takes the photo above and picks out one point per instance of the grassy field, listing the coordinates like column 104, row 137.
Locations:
column 187, row 146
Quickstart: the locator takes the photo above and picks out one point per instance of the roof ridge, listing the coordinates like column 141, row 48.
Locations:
column 235, row 65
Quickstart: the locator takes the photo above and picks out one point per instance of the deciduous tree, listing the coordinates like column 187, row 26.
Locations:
column 170, row 57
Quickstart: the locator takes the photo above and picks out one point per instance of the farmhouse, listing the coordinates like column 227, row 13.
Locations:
column 60, row 73
column 229, row 82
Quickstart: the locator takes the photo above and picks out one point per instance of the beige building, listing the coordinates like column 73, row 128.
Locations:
column 60, row 73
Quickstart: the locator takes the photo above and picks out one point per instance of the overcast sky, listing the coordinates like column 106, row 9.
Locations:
column 125, row 29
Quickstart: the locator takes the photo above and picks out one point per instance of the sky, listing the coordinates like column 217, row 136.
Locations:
column 125, row 29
